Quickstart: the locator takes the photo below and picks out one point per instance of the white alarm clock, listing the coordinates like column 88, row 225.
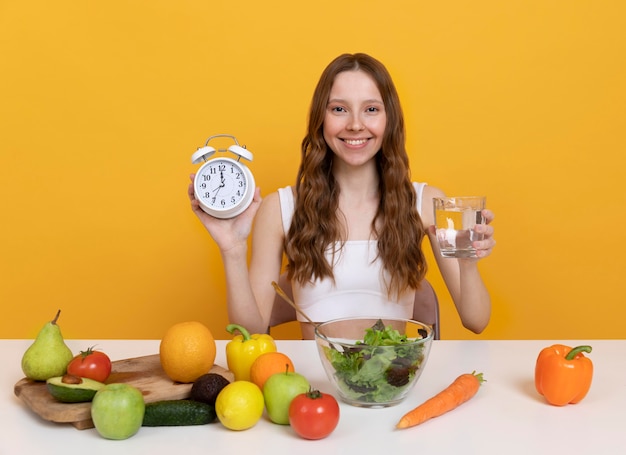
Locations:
column 223, row 186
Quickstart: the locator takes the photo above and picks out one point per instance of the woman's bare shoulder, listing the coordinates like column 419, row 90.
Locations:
column 269, row 216
column 272, row 201
column 270, row 205
column 428, row 194
column 431, row 192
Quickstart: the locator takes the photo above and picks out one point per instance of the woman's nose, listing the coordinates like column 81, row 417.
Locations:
column 355, row 123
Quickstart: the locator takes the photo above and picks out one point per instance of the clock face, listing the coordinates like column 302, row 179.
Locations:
column 224, row 187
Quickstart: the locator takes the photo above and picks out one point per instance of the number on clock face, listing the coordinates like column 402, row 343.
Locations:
column 221, row 184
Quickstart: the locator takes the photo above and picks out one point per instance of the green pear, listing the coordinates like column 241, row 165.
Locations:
column 48, row 356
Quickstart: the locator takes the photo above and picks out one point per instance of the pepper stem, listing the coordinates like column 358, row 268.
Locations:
column 230, row 328
column 577, row 350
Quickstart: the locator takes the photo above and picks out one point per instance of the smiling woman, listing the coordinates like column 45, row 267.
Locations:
column 352, row 226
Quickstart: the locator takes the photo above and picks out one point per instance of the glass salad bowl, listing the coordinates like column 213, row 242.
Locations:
column 373, row 362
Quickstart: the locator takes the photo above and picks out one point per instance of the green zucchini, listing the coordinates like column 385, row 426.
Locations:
column 178, row 413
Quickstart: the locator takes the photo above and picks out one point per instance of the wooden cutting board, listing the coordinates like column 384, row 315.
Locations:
column 145, row 373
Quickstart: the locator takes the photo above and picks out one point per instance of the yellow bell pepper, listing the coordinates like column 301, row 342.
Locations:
column 243, row 350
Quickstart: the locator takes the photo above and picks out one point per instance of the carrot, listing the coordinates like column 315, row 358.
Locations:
column 462, row 389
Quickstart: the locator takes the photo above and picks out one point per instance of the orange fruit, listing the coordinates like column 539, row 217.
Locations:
column 187, row 351
column 267, row 364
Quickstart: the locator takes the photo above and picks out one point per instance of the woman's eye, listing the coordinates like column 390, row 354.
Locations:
column 337, row 109
column 372, row 109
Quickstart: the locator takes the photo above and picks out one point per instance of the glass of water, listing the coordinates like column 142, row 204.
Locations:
column 455, row 218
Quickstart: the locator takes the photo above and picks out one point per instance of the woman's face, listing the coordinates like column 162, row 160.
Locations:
column 355, row 119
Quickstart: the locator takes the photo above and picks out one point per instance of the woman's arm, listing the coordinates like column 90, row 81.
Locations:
column 248, row 290
column 267, row 256
column 462, row 276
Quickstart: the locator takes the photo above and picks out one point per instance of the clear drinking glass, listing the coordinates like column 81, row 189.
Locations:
column 455, row 218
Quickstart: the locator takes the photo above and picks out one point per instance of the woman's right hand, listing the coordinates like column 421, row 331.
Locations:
column 227, row 233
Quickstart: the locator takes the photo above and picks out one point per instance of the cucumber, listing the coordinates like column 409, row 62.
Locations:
column 178, row 413
column 72, row 389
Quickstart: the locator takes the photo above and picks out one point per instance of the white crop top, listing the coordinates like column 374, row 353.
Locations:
column 359, row 288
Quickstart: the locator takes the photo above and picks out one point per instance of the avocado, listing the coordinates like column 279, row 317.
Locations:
column 178, row 413
column 206, row 388
column 73, row 389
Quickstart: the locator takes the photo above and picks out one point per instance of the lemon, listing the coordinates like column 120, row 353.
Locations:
column 239, row 405
column 187, row 351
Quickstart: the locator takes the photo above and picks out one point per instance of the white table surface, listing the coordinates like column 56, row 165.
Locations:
column 507, row 416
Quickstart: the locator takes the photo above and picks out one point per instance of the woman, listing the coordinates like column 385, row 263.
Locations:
column 352, row 227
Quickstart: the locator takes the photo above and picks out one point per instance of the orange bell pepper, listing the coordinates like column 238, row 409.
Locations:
column 562, row 374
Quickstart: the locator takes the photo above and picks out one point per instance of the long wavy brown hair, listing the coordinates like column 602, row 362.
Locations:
column 316, row 224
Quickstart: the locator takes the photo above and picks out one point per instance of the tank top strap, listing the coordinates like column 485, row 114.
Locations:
column 419, row 191
column 287, row 204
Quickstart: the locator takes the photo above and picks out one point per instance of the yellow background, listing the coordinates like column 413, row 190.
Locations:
column 103, row 103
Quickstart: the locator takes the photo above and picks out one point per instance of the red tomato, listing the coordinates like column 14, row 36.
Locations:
column 90, row 364
column 313, row 415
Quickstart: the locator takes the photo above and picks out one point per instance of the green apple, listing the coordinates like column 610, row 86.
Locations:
column 117, row 411
column 279, row 390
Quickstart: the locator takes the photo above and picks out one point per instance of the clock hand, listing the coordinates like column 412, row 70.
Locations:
column 222, row 185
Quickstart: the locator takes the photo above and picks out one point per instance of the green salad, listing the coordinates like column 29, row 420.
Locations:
column 371, row 371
